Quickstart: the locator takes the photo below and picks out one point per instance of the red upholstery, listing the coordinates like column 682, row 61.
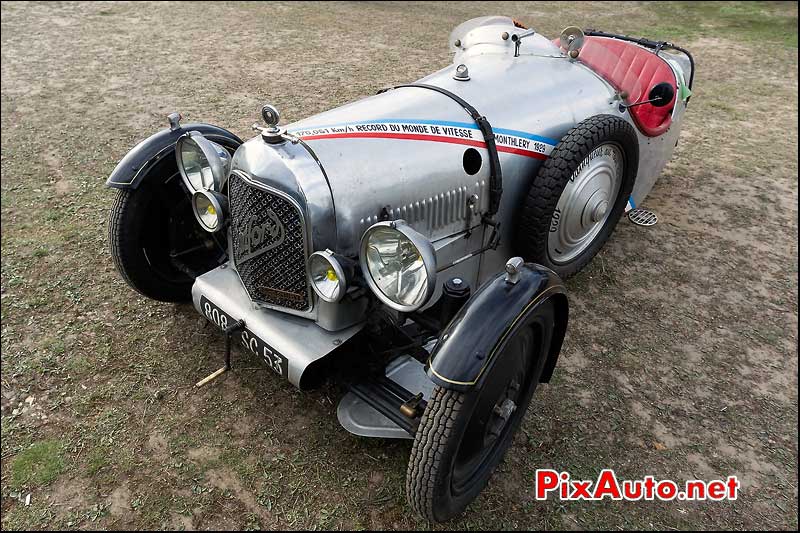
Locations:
column 629, row 67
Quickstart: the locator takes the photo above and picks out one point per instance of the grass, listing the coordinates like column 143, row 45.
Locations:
column 96, row 461
column 756, row 22
column 39, row 465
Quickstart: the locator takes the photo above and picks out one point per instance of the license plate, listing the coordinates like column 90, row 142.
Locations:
column 247, row 338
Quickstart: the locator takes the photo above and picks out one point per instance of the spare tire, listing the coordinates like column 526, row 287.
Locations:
column 578, row 195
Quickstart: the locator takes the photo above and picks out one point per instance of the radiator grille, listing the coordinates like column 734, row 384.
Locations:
column 268, row 241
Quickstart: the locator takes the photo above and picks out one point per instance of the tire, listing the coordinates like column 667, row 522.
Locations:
column 148, row 224
column 443, row 477
column 549, row 224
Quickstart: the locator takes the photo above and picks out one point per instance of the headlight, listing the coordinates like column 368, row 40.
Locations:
column 203, row 164
column 399, row 265
column 327, row 276
column 210, row 209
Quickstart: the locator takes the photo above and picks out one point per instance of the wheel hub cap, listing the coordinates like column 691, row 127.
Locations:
column 502, row 411
column 585, row 203
column 599, row 211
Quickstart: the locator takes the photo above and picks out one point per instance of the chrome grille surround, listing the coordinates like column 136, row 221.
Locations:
column 269, row 244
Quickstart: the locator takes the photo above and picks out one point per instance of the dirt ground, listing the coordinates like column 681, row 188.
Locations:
column 681, row 357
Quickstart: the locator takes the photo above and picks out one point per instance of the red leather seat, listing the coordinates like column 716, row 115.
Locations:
column 632, row 68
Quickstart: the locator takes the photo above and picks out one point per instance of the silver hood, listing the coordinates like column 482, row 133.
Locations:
column 403, row 151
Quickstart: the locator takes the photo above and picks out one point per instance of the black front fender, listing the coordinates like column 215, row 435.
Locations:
column 143, row 157
column 467, row 345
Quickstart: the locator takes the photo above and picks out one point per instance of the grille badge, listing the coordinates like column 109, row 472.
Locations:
column 255, row 238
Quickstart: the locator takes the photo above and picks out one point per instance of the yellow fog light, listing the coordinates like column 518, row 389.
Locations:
column 327, row 276
column 210, row 209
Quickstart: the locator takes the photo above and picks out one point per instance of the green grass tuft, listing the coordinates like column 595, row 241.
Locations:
column 39, row 465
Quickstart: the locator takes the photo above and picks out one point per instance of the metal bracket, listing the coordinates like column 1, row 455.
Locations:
column 413, row 407
column 517, row 40
column 472, row 201
column 494, row 242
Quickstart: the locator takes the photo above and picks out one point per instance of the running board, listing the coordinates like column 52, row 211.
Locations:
column 387, row 407
column 383, row 396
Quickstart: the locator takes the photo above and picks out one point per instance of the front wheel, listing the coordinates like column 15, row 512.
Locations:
column 463, row 436
column 155, row 242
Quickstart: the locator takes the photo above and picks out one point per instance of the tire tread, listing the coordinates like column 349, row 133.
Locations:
column 532, row 231
column 427, row 452
column 124, row 226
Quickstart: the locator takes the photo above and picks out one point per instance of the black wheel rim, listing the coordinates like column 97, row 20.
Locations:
column 176, row 247
column 491, row 425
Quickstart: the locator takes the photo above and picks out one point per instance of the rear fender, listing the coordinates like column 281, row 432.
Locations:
column 466, row 346
column 160, row 147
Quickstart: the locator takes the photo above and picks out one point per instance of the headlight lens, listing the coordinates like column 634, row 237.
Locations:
column 327, row 276
column 203, row 164
column 210, row 209
column 196, row 166
column 399, row 264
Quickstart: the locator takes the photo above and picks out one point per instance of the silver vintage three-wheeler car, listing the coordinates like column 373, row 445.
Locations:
column 411, row 245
